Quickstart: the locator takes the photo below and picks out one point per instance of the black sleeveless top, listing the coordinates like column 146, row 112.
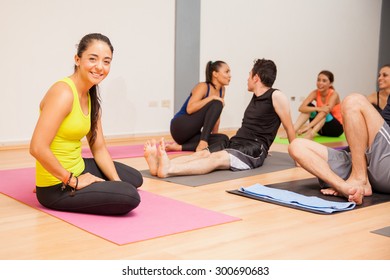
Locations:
column 260, row 123
column 377, row 107
column 386, row 111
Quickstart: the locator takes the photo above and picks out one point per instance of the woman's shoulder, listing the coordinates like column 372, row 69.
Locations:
column 333, row 92
column 62, row 87
column 200, row 88
column 201, row 85
column 313, row 94
column 372, row 97
column 61, row 91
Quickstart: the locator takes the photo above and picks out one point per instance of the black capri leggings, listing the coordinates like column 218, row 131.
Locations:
column 102, row 198
column 187, row 130
column 331, row 128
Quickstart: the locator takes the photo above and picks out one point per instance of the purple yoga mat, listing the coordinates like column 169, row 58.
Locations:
column 156, row 216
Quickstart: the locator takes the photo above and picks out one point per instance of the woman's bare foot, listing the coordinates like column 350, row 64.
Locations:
column 163, row 160
column 310, row 135
column 173, row 147
column 150, row 154
column 283, row 135
column 202, row 145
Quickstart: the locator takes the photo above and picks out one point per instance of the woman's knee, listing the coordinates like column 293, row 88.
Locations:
column 129, row 174
column 127, row 195
column 216, row 105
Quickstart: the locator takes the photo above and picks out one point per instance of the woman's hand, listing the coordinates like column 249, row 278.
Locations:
column 303, row 129
column 325, row 109
column 87, row 179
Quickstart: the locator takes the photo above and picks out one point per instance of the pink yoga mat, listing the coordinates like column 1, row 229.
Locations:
column 156, row 216
column 127, row 151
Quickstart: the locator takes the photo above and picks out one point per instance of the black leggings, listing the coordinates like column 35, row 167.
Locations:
column 102, row 198
column 187, row 130
column 331, row 128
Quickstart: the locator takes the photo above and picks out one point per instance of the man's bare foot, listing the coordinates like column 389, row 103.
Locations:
column 354, row 190
column 358, row 190
column 330, row 191
column 356, row 194
column 163, row 160
column 150, row 154
column 173, row 147
column 202, row 145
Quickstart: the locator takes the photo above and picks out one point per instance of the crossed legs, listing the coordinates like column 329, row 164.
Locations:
column 361, row 124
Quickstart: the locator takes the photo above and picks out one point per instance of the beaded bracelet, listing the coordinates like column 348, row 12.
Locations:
column 67, row 183
column 73, row 189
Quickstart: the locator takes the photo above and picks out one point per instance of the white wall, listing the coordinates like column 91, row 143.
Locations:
column 303, row 37
column 37, row 47
column 38, row 39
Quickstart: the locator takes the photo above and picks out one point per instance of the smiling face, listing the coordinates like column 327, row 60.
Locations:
column 95, row 62
column 323, row 83
column 384, row 78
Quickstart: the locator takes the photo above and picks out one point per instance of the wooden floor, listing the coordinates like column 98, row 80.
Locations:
column 266, row 231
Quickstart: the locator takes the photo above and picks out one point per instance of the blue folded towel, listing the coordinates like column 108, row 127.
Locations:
column 298, row 200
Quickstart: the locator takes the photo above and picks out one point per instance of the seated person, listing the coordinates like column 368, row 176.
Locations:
column 379, row 99
column 70, row 111
column 365, row 168
column 324, row 117
column 196, row 125
column 248, row 149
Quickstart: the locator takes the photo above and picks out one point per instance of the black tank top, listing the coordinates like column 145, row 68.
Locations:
column 386, row 111
column 377, row 107
column 260, row 123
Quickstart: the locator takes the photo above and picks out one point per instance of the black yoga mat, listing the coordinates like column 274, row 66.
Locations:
column 311, row 187
column 275, row 162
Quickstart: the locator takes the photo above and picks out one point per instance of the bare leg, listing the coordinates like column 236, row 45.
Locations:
column 301, row 120
column 311, row 133
column 361, row 124
column 313, row 157
column 150, row 154
column 202, row 164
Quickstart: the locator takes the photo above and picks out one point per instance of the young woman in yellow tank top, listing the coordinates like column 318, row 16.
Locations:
column 70, row 111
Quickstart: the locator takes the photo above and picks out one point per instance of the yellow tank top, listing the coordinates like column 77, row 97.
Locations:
column 66, row 145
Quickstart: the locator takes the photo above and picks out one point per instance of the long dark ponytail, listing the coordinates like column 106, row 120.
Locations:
column 94, row 90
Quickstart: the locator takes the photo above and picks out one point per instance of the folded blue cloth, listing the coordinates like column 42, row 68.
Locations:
column 296, row 199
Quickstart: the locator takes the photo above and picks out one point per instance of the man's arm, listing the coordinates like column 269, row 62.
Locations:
column 282, row 108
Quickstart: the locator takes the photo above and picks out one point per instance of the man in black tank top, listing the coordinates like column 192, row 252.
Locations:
column 248, row 149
